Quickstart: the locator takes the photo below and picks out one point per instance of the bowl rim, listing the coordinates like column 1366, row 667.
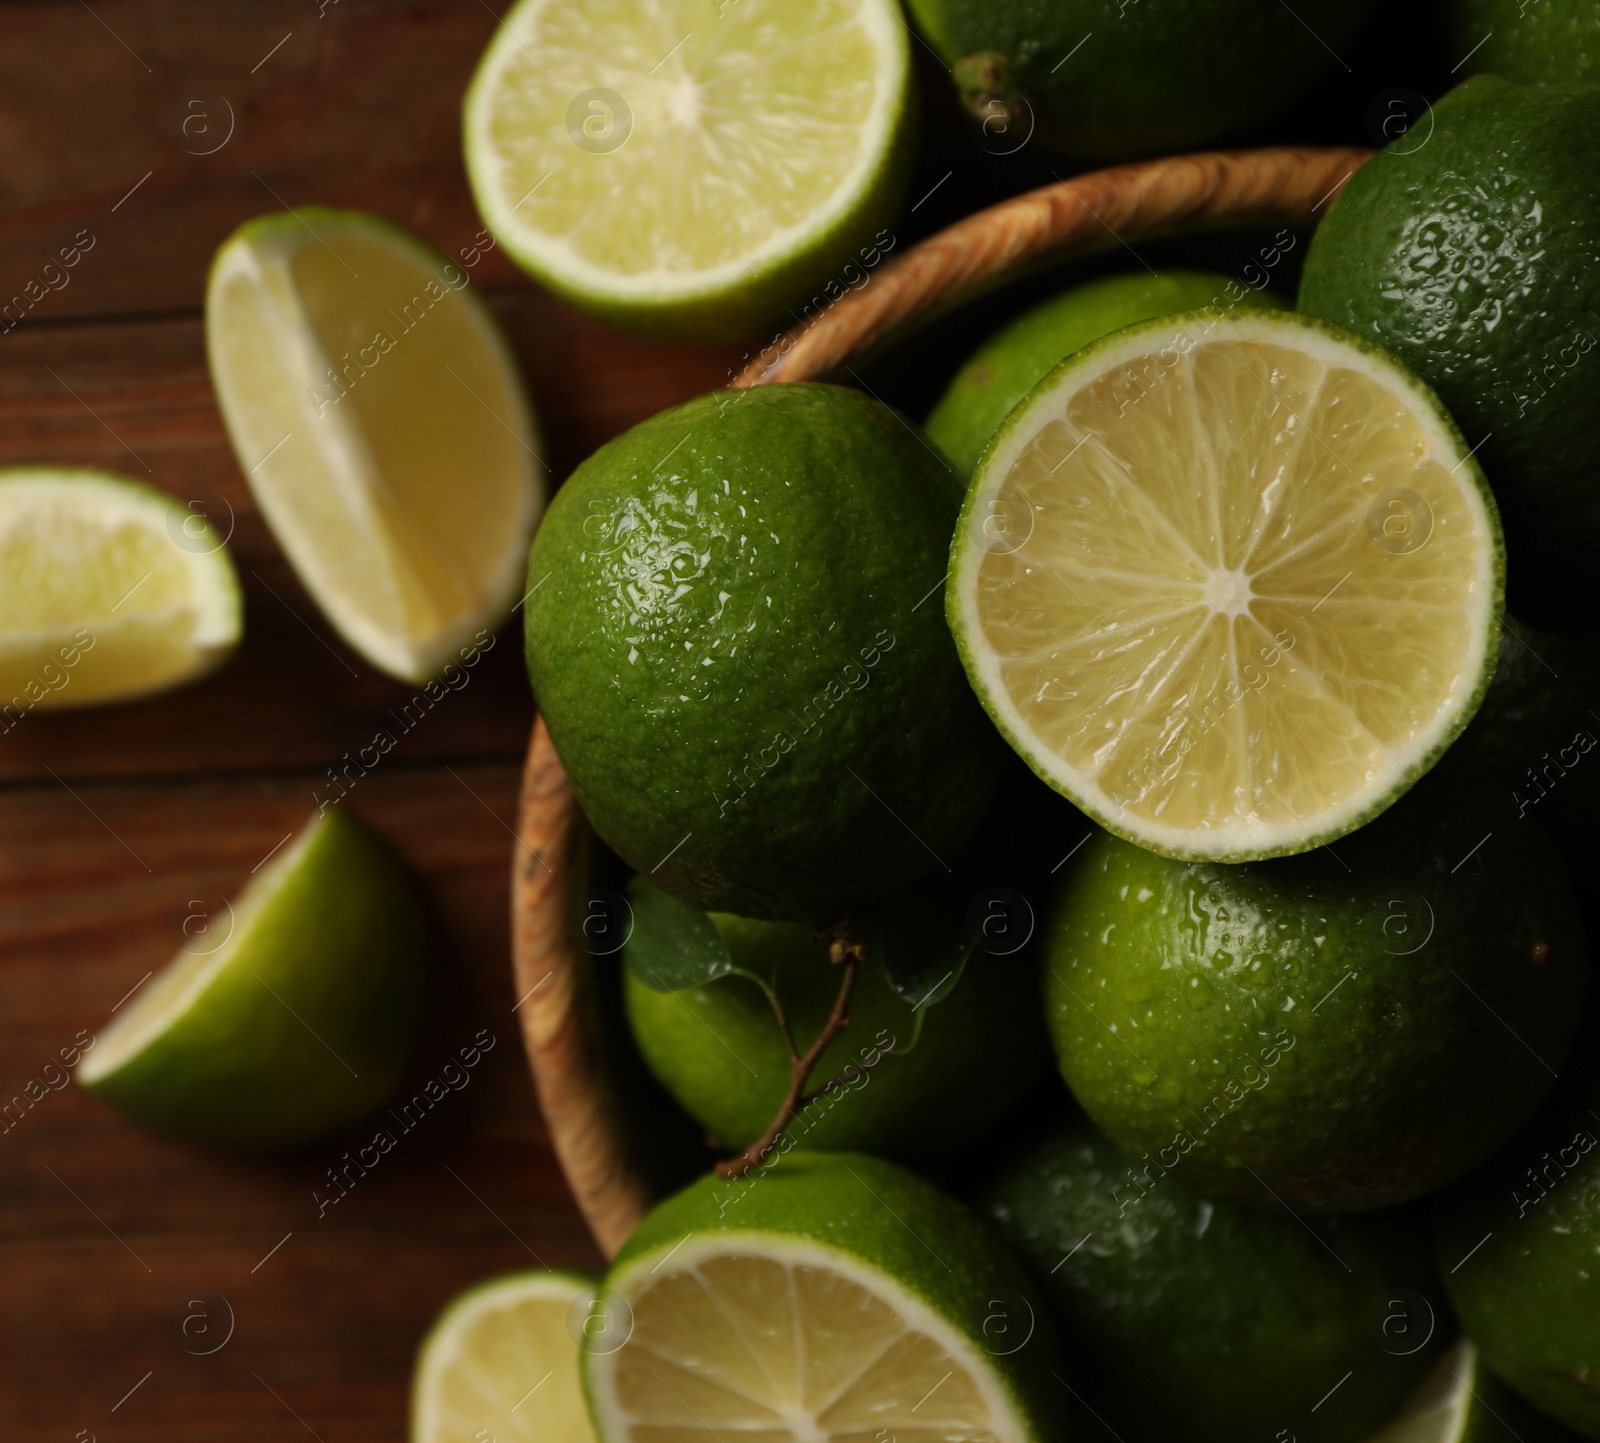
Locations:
column 551, row 969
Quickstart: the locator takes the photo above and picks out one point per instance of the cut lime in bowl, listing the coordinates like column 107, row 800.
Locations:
column 109, row 590
column 621, row 1143
column 378, row 415
column 828, row 1297
column 1230, row 582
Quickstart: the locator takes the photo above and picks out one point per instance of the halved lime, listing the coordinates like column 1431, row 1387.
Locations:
column 290, row 1012
column 377, row 413
column 692, row 167
column 822, row 1298
column 108, row 590
column 1230, row 582
column 1461, row 1401
column 501, row 1362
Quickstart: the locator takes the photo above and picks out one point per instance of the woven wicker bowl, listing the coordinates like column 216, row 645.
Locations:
column 597, row 1128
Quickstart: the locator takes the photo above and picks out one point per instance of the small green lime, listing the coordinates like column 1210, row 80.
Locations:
column 1470, row 249
column 1186, row 1317
column 289, row 1017
column 734, row 634
column 1343, row 1030
column 1518, row 1244
column 1016, row 358
column 1104, row 80
column 719, row 1051
column 822, row 1296
column 1530, row 41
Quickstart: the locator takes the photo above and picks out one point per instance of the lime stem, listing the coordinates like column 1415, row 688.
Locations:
column 845, row 950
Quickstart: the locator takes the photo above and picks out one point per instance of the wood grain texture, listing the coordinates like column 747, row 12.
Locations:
column 1094, row 212
column 589, row 1129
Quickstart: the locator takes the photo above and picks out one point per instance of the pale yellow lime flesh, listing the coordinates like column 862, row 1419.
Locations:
column 380, row 420
column 781, row 1342
column 1231, row 583
column 108, row 590
column 633, row 152
column 502, row 1363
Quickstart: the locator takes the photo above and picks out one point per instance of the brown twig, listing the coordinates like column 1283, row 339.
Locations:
column 844, row 950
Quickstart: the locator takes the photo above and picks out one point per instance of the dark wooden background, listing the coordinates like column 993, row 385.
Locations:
column 123, row 1255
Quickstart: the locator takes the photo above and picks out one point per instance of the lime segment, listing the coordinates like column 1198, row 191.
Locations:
column 108, row 590
column 379, row 418
column 1231, row 583
column 288, row 1016
column 501, row 1362
column 684, row 165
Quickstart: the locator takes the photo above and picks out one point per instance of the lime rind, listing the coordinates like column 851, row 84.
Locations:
column 261, row 249
column 301, row 1016
column 1136, row 341
column 181, row 987
column 732, row 300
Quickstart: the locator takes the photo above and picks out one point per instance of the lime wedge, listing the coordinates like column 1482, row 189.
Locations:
column 1461, row 1401
column 501, row 1362
column 378, row 415
column 1231, row 583
column 290, row 1012
column 692, row 167
column 108, row 590
column 826, row 1298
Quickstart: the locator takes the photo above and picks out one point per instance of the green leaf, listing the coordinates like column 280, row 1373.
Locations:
column 923, row 942
column 672, row 944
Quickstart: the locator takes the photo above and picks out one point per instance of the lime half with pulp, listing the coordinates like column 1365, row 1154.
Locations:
column 1229, row 582
column 688, row 167
column 823, row 1299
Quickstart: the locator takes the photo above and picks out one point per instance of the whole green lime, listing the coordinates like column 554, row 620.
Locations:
column 1530, row 41
column 1104, row 80
column 1343, row 1030
column 1470, row 248
column 735, row 637
column 1016, row 358
column 1187, row 1317
column 904, row 1090
column 1518, row 1244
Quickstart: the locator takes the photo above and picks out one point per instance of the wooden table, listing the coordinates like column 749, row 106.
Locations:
column 150, row 1290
